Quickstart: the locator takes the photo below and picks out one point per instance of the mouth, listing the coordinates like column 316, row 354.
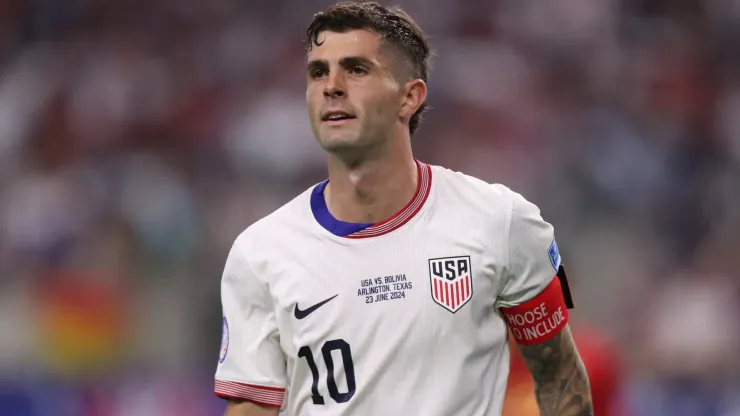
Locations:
column 336, row 117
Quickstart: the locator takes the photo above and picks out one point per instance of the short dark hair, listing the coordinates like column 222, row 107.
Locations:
column 394, row 26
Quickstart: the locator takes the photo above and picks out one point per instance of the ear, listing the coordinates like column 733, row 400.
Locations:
column 414, row 95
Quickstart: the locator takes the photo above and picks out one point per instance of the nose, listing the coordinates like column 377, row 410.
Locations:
column 333, row 92
column 334, row 87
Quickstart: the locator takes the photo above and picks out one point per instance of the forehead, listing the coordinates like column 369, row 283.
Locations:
column 336, row 45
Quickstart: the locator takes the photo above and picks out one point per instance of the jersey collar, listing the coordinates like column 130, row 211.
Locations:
column 356, row 230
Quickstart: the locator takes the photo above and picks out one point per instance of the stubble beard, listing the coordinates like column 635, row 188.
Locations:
column 353, row 151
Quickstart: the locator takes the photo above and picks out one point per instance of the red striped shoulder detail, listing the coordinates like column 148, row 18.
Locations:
column 406, row 213
column 266, row 396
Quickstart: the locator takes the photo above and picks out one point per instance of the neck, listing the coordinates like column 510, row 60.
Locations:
column 371, row 190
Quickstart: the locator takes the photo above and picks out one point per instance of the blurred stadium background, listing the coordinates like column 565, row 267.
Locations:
column 139, row 137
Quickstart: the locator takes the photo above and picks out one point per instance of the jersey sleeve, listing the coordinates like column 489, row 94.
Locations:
column 535, row 297
column 533, row 257
column 251, row 363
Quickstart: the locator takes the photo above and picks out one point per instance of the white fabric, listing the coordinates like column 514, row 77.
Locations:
column 410, row 355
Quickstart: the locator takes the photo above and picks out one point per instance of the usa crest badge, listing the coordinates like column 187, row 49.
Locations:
column 451, row 281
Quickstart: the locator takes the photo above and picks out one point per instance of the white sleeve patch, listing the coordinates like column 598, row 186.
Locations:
column 224, row 340
column 554, row 254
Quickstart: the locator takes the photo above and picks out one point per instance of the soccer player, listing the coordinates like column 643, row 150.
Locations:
column 390, row 288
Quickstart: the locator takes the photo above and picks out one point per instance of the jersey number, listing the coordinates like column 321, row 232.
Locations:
column 349, row 371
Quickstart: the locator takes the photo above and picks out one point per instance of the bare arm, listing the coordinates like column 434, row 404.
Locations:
column 247, row 408
column 561, row 382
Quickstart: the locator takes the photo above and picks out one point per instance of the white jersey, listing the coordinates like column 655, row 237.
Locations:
column 323, row 317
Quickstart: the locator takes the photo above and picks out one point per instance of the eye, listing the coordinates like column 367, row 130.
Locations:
column 318, row 73
column 357, row 70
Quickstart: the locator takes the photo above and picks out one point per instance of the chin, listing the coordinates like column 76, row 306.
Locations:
column 337, row 142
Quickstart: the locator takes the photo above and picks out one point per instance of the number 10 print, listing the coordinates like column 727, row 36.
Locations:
column 331, row 384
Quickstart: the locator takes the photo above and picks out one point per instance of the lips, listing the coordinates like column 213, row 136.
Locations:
column 336, row 115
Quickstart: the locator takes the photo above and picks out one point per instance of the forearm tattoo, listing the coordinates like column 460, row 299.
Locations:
column 561, row 382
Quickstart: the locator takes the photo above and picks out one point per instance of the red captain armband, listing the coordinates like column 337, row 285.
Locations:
column 543, row 317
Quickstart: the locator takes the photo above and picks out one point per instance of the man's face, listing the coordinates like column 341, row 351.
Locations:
column 353, row 99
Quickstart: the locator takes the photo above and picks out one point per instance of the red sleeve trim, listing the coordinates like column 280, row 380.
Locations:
column 539, row 319
column 266, row 396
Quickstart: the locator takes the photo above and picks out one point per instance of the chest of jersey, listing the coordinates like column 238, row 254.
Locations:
column 387, row 309
column 422, row 286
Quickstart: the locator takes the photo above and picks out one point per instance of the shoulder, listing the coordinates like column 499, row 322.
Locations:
column 489, row 197
column 278, row 228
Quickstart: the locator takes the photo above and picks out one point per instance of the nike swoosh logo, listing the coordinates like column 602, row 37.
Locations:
column 300, row 314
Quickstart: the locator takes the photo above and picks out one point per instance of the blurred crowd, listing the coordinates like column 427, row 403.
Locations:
column 138, row 138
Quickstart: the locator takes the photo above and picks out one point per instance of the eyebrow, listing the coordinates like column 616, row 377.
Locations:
column 346, row 62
